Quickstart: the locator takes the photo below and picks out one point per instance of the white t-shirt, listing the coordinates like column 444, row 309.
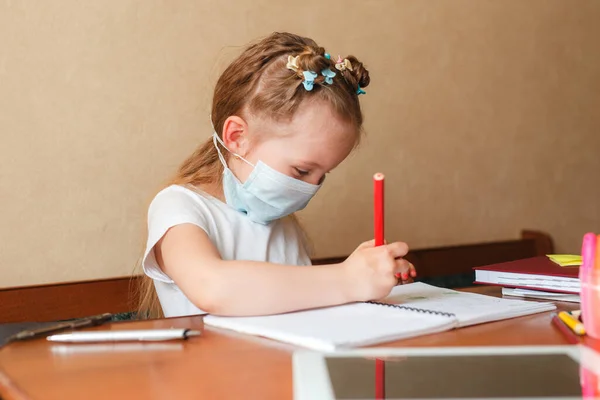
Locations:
column 234, row 235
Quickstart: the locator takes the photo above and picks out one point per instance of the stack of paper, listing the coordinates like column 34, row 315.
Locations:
column 538, row 294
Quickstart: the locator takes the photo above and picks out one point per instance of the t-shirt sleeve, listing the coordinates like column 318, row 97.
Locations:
column 172, row 206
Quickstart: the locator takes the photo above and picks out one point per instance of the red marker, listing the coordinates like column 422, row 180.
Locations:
column 378, row 219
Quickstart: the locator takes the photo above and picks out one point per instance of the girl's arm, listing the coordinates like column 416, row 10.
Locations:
column 186, row 254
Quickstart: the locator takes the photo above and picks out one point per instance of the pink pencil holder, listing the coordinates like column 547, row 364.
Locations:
column 590, row 302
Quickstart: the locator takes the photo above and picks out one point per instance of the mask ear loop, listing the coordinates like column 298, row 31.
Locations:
column 217, row 138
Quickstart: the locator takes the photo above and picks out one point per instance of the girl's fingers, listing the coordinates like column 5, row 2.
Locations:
column 402, row 268
column 413, row 271
column 405, row 271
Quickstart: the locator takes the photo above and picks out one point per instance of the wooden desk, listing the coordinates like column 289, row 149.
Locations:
column 217, row 365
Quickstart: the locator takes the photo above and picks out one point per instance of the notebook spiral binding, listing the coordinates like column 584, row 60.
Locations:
column 421, row 310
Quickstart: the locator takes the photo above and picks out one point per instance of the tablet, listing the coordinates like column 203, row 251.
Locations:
column 510, row 372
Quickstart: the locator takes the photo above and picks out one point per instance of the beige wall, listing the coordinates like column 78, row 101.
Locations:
column 482, row 114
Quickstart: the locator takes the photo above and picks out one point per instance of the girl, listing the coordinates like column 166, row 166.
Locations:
column 222, row 238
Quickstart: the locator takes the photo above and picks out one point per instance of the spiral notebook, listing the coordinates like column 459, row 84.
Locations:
column 410, row 310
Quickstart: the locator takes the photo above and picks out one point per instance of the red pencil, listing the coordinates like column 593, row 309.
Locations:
column 566, row 331
column 378, row 210
column 379, row 240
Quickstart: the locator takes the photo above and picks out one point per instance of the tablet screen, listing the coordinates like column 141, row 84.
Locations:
column 455, row 376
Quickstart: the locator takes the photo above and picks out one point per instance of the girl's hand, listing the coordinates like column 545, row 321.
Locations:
column 370, row 272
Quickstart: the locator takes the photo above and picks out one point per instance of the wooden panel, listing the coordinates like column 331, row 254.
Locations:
column 459, row 260
column 543, row 242
column 66, row 300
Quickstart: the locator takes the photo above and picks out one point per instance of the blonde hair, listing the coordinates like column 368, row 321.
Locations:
column 259, row 82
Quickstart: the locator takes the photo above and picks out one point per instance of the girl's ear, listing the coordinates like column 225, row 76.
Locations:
column 235, row 135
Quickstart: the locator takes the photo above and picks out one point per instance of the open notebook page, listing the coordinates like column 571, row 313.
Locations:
column 469, row 308
column 361, row 324
column 327, row 329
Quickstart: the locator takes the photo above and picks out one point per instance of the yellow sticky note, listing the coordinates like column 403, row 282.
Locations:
column 566, row 260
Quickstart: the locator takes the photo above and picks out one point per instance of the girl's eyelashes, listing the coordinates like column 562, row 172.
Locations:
column 301, row 172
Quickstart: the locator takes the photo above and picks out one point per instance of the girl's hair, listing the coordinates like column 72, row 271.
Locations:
column 262, row 82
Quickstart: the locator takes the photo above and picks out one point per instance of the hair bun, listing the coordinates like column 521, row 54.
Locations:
column 359, row 76
column 313, row 60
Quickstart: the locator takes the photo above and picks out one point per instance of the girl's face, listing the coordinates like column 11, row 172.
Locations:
column 307, row 147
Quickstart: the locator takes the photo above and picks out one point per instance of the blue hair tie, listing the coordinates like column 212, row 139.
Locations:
column 328, row 56
column 359, row 91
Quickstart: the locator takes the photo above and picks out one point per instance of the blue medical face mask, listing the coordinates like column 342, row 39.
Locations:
column 267, row 194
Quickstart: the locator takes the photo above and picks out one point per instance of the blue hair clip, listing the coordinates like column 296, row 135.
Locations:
column 328, row 74
column 309, row 80
column 359, row 91
column 328, row 56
